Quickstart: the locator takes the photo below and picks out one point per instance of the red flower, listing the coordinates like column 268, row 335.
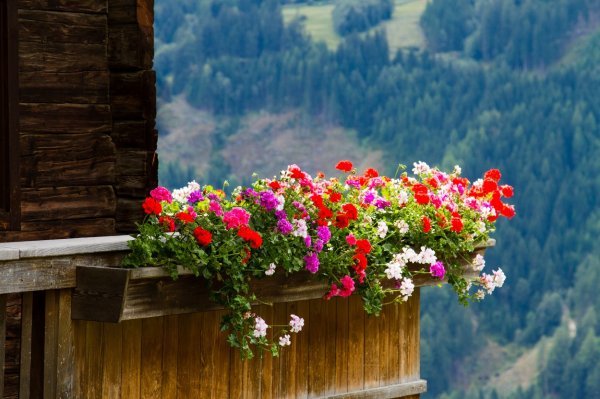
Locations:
column 185, row 217
column 457, row 225
column 152, row 206
column 350, row 211
column 341, row 221
column 167, row 223
column 489, row 186
column 493, row 174
column 335, row 197
column 246, row 258
column 507, row 190
column 296, row 173
column 421, row 193
column 371, row 173
column 508, row 211
column 317, row 200
column 363, row 246
column 325, row 213
column 251, row 236
column 432, row 182
column 360, row 266
column 344, row 166
column 275, row 185
column 204, row 237
column 426, row 224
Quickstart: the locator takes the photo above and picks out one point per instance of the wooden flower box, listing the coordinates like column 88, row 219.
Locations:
column 113, row 294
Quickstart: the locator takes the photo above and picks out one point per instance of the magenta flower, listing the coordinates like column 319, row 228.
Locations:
column 161, row 194
column 195, row 196
column 235, row 218
column 284, row 226
column 215, row 207
column 324, row 234
column 312, row 262
column 437, row 270
column 268, row 200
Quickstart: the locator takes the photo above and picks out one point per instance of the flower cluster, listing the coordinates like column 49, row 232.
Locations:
column 363, row 234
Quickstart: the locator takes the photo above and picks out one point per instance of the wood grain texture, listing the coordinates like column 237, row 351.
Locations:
column 80, row 87
column 64, row 118
column 112, row 347
column 62, row 27
column 131, row 361
column 82, row 6
column 152, row 353
column 2, row 341
column 26, row 332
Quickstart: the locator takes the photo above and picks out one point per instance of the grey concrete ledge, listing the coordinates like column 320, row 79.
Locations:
column 69, row 246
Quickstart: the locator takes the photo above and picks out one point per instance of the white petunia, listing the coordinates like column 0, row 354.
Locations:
column 478, row 263
column 382, row 229
column 285, row 340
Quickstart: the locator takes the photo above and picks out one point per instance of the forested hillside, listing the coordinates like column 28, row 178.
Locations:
column 502, row 83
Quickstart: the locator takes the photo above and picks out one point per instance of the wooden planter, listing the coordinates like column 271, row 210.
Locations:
column 110, row 294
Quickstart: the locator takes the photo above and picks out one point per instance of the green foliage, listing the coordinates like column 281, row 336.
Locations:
column 352, row 16
column 447, row 23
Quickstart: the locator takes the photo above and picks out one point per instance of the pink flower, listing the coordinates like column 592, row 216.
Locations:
column 161, row 194
column 351, row 240
column 215, row 208
column 437, row 270
column 235, row 218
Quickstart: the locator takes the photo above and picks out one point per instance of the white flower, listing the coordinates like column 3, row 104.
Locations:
column 402, row 226
column 394, row 270
column 480, row 294
column 281, row 202
column 420, row 168
column 409, row 255
column 300, row 229
column 499, row 277
column 478, row 183
column 271, row 270
column 478, row 263
column 481, row 226
column 427, row 256
column 382, row 229
column 457, row 170
column 402, row 197
column 285, row 340
column 406, row 289
column 260, row 327
column 296, row 323
column 193, row 186
column 487, row 281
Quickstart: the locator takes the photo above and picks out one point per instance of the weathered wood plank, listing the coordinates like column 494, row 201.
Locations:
column 342, row 347
column 130, row 47
column 356, row 336
column 132, row 11
column 133, row 95
column 152, row 356
column 112, row 346
column 412, row 335
column 2, row 341
column 48, row 273
column 404, row 390
column 67, row 160
column 94, row 359
column 51, row 343
column 79, row 340
column 169, row 358
column 132, row 357
column 42, row 204
column 302, row 350
column 12, row 346
column 185, row 356
column 135, row 134
column 62, row 27
column 26, row 333
column 65, row 364
column 132, row 162
column 219, row 359
column 391, row 334
column 61, row 229
column 61, row 57
column 317, row 331
column 86, row 87
column 64, row 118
column 83, row 6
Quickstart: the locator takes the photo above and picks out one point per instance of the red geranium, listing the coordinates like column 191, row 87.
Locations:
column 421, row 193
column 204, row 237
column 344, row 166
column 507, row 191
column 275, row 185
column 371, row 173
column 508, row 211
column 363, row 246
column 341, row 220
column 426, row 224
column 493, row 174
column 457, row 224
column 251, row 236
column 489, row 186
column 185, row 217
column 350, row 211
column 167, row 223
column 296, row 173
column 335, row 197
column 152, row 206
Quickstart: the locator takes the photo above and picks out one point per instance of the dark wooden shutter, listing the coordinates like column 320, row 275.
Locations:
column 9, row 193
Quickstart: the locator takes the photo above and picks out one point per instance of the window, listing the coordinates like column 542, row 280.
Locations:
column 9, row 203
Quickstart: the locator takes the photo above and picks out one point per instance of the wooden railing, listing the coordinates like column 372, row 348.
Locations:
column 167, row 342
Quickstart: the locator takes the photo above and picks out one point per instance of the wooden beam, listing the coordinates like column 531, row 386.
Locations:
column 387, row 392
column 2, row 341
column 26, row 333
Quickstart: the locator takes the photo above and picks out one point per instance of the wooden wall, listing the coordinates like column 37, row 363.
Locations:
column 340, row 350
column 86, row 116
